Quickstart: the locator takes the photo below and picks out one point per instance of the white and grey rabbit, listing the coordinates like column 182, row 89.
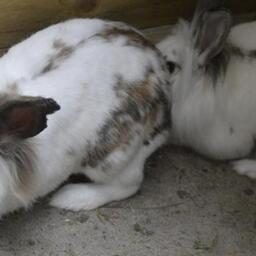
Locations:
column 214, row 85
column 112, row 88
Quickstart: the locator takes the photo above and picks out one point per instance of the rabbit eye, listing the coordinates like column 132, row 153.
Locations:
column 171, row 66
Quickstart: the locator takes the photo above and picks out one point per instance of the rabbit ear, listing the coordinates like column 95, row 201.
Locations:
column 205, row 6
column 211, row 33
column 26, row 116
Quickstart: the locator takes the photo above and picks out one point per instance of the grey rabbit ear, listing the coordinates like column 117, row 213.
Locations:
column 211, row 34
column 205, row 6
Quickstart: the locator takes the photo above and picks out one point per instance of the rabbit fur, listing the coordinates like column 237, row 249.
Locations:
column 214, row 85
column 113, row 90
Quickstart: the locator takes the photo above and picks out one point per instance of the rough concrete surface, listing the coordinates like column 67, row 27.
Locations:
column 187, row 206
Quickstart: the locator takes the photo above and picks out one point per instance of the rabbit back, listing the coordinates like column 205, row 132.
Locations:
column 112, row 86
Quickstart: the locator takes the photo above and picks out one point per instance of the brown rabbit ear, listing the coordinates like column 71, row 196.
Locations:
column 26, row 116
column 211, row 35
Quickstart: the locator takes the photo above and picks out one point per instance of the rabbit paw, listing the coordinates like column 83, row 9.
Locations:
column 77, row 197
column 245, row 167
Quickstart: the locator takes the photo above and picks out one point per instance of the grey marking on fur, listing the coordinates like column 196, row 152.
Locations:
column 236, row 51
column 71, row 152
column 218, row 65
column 62, row 52
column 58, row 44
column 146, row 142
column 231, row 130
column 133, row 38
column 141, row 102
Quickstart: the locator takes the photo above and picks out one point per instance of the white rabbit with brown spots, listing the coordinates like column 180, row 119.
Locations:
column 112, row 88
column 214, row 85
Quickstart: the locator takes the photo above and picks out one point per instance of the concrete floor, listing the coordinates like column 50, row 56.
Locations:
column 186, row 207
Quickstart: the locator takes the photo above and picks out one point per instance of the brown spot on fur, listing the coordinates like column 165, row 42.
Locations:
column 174, row 53
column 142, row 93
column 141, row 102
column 231, row 130
column 113, row 134
column 50, row 66
column 133, row 38
column 58, row 44
column 63, row 52
column 71, row 152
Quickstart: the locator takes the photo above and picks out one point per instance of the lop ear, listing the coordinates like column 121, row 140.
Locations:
column 211, row 34
column 25, row 117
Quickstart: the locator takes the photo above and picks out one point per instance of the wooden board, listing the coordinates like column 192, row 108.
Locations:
column 19, row 18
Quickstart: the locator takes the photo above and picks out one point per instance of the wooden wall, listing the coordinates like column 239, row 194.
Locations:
column 19, row 18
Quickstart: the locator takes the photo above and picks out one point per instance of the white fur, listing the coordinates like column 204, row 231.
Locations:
column 83, row 86
column 243, row 35
column 217, row 120
column 246, row 167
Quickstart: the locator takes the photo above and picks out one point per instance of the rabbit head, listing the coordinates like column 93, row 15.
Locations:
column 194, row 50
column 21, row 118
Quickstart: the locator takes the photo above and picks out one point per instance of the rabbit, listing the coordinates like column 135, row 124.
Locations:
column 213, row 66
column 110, row 91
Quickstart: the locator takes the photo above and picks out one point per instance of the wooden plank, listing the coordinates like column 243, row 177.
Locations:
column 9, row 38
column 30, row 15
column 19, row 18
